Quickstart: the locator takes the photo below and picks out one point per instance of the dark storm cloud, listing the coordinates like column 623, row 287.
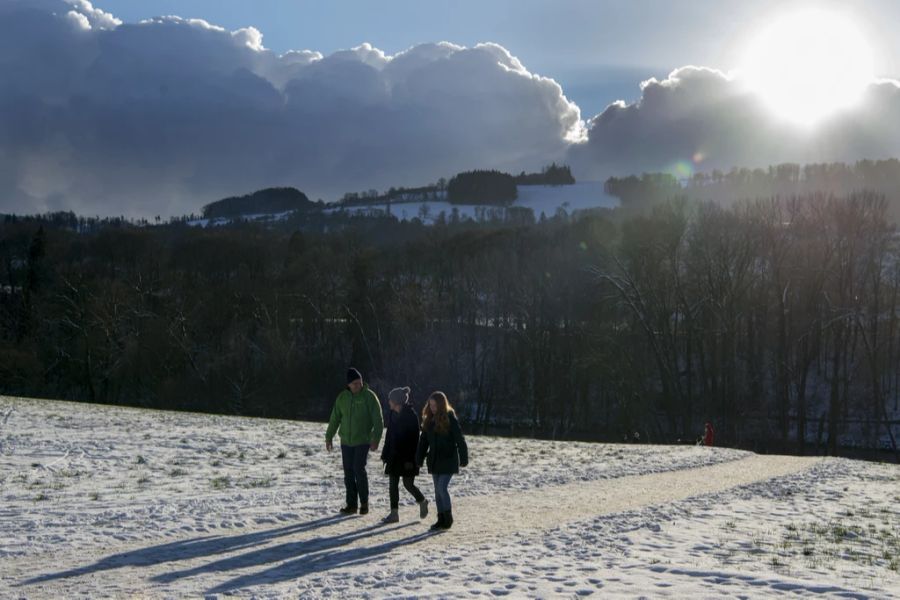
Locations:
column 162, row 116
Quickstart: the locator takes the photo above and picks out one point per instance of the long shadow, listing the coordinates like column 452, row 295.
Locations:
column 323, row 561
column 278, row 553
column 185, row 550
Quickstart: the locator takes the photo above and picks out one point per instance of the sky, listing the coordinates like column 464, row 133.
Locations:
column 599, row 51
column 159, row 107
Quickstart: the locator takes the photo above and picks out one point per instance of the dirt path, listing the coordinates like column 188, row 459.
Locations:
column 197, row 565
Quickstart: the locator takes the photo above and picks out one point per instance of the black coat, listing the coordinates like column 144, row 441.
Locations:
column 400, row 443
column 446, row 452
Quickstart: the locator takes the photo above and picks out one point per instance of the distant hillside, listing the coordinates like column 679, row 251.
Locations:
column 399, row 195
column 267, row 201
column 784, row 180
column 550, row 175
column 482, row 187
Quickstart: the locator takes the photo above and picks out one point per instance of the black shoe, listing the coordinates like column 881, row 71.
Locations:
column 448, row 519
column 348, row 510
column 440, row 523
column 363, row 509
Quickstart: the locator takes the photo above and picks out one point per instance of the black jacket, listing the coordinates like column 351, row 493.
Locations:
column 400, row 442
column 446, row 452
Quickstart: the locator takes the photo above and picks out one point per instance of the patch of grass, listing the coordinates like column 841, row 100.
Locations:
column 177, row 473
column 94, row 496
column 267, row 481
column 41, row 497
column 281, row 454
column 143, row 479
column 220, row 483
column 839, row 532
column 140, row 460
column 216, row 463
column 758, row 540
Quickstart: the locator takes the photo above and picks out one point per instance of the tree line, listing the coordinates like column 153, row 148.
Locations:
column 776, row 319
column 783, row 180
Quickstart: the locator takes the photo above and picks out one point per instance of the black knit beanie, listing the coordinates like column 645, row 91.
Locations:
column 353, row 375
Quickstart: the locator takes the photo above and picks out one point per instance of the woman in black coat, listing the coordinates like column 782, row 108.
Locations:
column 442, row 442
column 399, row 452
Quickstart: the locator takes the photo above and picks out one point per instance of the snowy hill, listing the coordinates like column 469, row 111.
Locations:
column 122, row 502
column 546, row 199
column 542, row 199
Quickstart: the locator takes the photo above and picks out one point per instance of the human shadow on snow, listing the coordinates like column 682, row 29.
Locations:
column 277, row 553
column 185, row 550
column 315, row 560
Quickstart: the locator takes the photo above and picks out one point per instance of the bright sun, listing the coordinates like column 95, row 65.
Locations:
column 809, row 65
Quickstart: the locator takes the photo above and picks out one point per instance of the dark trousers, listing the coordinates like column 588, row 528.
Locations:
column 356, row 481
column 409, row 484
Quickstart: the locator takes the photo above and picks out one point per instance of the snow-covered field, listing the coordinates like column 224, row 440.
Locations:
column 106, row 501
column 546, row 199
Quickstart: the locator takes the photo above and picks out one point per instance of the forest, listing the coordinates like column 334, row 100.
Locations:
column 267, row 201
column 482, row 187
column 774, row 318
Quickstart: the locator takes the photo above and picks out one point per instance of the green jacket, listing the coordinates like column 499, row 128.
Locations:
column 356, row 418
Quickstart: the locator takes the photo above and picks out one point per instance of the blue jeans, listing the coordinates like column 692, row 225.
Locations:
column 441, row 494
column 356, row 481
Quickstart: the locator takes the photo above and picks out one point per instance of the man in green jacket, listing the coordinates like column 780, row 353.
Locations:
column 357, row 418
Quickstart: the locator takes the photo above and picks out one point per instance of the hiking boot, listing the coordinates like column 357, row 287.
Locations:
column 393, row 517
column 440, row 523
column 423, row 509
column 348, row 510
column 448, row 519
column 363, row 509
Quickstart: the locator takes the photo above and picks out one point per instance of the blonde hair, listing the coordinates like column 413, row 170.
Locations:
column 439, row 419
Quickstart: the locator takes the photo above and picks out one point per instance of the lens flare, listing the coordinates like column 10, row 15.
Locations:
column 682, row 169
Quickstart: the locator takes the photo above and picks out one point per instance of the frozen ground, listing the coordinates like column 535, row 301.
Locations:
column 105, row 501
column 546, row 199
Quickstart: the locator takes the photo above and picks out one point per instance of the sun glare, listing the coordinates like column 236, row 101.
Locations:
column 809, row 65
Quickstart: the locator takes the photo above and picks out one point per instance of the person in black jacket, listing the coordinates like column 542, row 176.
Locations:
column 399, row 452
column 443, row 444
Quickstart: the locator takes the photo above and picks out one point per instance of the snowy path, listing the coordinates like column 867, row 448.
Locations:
column 99, row 501
column 256, row 557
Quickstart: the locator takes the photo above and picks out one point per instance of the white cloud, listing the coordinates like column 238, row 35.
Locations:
column 78, row 20
column 702, row 119
column 96, row 17
column 163, row 116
